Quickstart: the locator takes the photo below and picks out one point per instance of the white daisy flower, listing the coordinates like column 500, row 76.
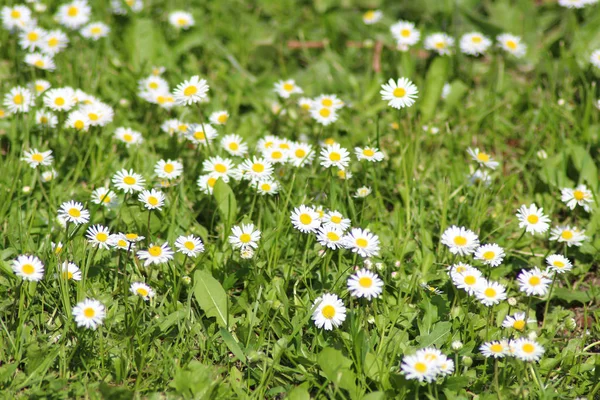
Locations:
column 40, row 61
column 580, row 196
column 362, row 192
column 46, row 119
column 572, row 236
column 574, row 3
column 16, row 17
column 329, row 312
column 329, row 101
column 142, row 290
column 181, row 20
column 98, row 236
column 207, row 182
column 496, row 349
column 330, row 237
column 419, row 368
column 512, row 44
column 368, row 153
column 104, row 196
column 234, row 145
column 256, row 169
column 286, row 88
column 474, row 43
column 19, row 99
column 406, row 34
column 34, row 157
column 218, row 166
column 595, row 59
column 305, row 103
column 201, row 133
column 323, row 115
column 219, row 117
column 480, row 176
column 89, row 313
column 527, row 350
column 98, row 113
column 75, row 14
column 95, row 30
column 48, row 176
column 334, row 156
column 191, row 91
column 365, row 284
column 153, row 84
column 189, row 245
column 70, row 271
column 78, row 120
column 119, row 241
column 54, row 42
column 169, row 169
column 490, row 254
column 275, row 155
column 156, row 254
column 39, row 86
column 399, row 94
column 30, row 268
column 482, row 158
column 468, row 279
column 305, row 219
column 533, row 219
column 267, row 186
column 558, row 263
column 372, row 17
column 490, row 293
column 72, row 211
column 244, row 236
column 516, row 321
column 439, row 42
column 152, row 199
column 301, row 154
column 60, row 99
column 460, row 240
column 31, row 37
column 128, row 181
column 533, row 282
column 335, row 219
column 128, row 136
column 363, row 242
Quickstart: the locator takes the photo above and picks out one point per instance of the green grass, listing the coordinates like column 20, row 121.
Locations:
column 242, row 328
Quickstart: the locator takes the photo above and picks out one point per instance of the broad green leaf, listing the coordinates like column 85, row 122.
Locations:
column 457, row 91
column 588, row 172
column 145, row 44
column 434, row 84
column 582, row 296
column 299, row 393
column 225, row 201
column 211, row 296
column 438, row 335
column 336, row 367
column 233, row 344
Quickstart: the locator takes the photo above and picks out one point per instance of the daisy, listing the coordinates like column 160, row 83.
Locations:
column 152, row 199
column 305, row 103
column 98, row 113
column 480, row 176
column 324, row 115
column 267, row 186
column 573, row 3
column 153, row 84
column 329, row 101
column 330, row 237
column 54, row 42
column 275, row 155
column 460, row 240
column 234, row 145
column 533, row 282
column 533, row 219
column 301, row 154
column 16, row 17
column 41, row 61
column 190, row 245
column 78, row 120
column 48, row 176
column 201, row 133
column 496, row 349
column 119, row 241
column 168, row 169
column 105, row 196
column 207, row 182
column 490, row 293
column 286, row 88
column 181, row 20
column 46, row 118
column 191, row 91
column 528, row 350
column 60, row 99
column 128, row 181
column 34, row 157
column 468, row 280
column 142, row 290
column 558, row 263
column 31, row 37
column 334, row 219
column 419, row 368
column 256, row 168
column 440, row 43
column 399, row 94
column 516, row 321
column 18, row 99
column 334, row 156
column 244, row 236
column 365, row 284
column 474, row 43
column 595, row 58
column 512, row 44
column 70, row 271
column 57, row 247
column 218, row 166
column 219, row 117
column 98, row 236
column 459, row 267
column 482, row 158
column 372, row 16
column 4, row 113
column 363, row 242
column 490, row 254
column 329, row 312
column 406, row 34
column 580, row 196
column 305, row 219
column 156, row 254
column 30, row 268
column 95, row 30
column 73, row 211
column 89, row 313
column 570, row 236
column 446, row 366
column 362, row 192
column 368, row 153
column 75, row 14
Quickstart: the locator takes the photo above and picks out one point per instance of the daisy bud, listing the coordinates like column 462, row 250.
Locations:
column 371, row 319
column 397, row 263
column 186, row 280
column 379, row 266
column 571, row 324
column 395, row 275
column 561, row 102
column 532, row 335
column 512, row 301
column 123, row 102
column 368, row 263
column 26, row 189
column 457, row 345
column 322, row 253
column 542, row 155
column 368, row 43
column 467, row 361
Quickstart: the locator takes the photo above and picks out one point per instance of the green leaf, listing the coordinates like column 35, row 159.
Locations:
column 233, row 344
column 457, row 91
column 585, row 166
column 582, row 296
column 146, row 44
column 225, row 201
column 299, row 393
column 211, row 296
column 438, row 335
column 435, row 80
column 336, row 368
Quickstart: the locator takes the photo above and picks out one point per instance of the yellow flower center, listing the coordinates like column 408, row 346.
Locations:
column 440, row 45
column 496, row 348
column 368, row 152
column 579, row 195
column 300, row 153
column 96, row 30
column 399, row 92
column 53, row 42
column 212, row 182
column 59, row 101
column 288, row 87
column 488, row 255
column 220, row 168
column 89, row 312
column 405, row 32
column 369, row 15
column 334, row 237
column 73, row 11
column 265, row 187
column 127, row 137
column 483, row 157
column 168, row 168
column 37, row 157
column 79, row 124
column 39, row 63
column 122, row 243
column 101, row 237
column 490, row 292
column 276, row 155
column 460, row 240
column 528, row 348
column 199, row 135
column 93, row 116
column 558, row 264
column 153, row 85
column 305, row 219
column 567, row 235
column 258, row 168
column 335, row 156
column 32, row 36
column 131, row 236
column 476, row 39
column 18, row 99
column 155, row 251
column 222, row 118
column 336, row 219
column 152, row 200
column 129, row 180
column 44, row 120
column 15, row 14
column 74, row 212
column 365, row 282
column 511, row 44
column 421, row 367
column 68, row 275
column 245, row 238
column 233, row 146
column 142, row 291
column 324, row 112
column 329, row 141
column 362, row 243
column 533, row 219
column 534, row 280
column 470, row 280
column 190, row 90
column 189, row 245
column 519, row 325
column 327, row 102
column 181, row 21
column 28, row 269
column 328, row 311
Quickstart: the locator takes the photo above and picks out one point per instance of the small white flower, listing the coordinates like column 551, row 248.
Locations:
column 372, row 16
column 533, row 282
column 34, row 157
column 365, row 284
column 490, row 293
column 580, row 196
column 98, row 236
column 439, row 42
column 490, row 254
column 142, row 290
column 484, row 159
column 329, row 312
column 244, row 236
column 572, row 236
column 512, row 44
column 460, row 240
column 189, row 245
column 74, row 212
column 305, row 219
column 558, row 263
column 156, row 254
column 89, row 313
column 191, row 91
column 474, row 43
column 533, row 219
column 399, row 94
column 286, row 88
column 363, row 242
column 30, row 268
column 527, row 350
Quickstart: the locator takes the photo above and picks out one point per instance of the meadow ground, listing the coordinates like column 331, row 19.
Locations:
column 345, row 244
